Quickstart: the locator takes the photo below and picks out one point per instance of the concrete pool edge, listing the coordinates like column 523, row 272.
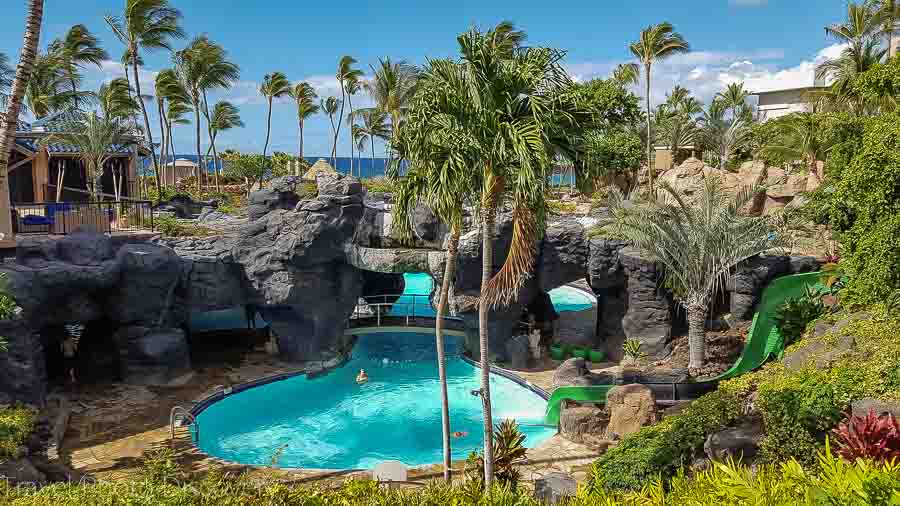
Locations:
column 219, row 395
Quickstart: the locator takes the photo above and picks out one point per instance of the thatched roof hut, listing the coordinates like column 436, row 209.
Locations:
column 320, row 167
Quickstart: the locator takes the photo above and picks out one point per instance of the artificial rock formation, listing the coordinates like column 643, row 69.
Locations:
column 631, row 407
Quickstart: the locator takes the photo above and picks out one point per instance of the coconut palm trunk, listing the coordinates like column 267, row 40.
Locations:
column 649, row 137
column 148, row 133
column 30, row 42
column 449, row 272
column 372, row 142
column 487, row 253
column 268, row 127
column 212, row 141
column 197, row 131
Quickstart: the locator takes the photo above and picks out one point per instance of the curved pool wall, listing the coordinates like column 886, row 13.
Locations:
column 577, row 309
column 330, row 422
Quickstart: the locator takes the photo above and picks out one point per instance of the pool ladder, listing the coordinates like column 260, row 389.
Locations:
column 185, row 415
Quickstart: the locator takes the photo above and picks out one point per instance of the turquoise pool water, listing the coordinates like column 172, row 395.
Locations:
column 415, row 284
column 566, row 298
column 330, row 422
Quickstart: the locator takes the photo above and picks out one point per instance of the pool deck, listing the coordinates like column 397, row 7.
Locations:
column 113, row 426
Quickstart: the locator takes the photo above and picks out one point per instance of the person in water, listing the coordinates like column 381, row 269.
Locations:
column 362, row 377
column 459, row 434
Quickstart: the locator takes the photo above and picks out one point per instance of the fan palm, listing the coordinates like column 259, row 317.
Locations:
column 33, row 17
column 330, row 106
column 345, row 75
column 78, row 48
column 627, row 74
column 146, row 25
column 275, row 85
column 391, row 88
column 305, row 97
column 97, row 138
column 374, row 126
column 656, row 43
column 698, row 243
column 225, row 116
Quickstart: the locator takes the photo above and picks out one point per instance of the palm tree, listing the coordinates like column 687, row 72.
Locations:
column 374, row 126
column 177, row 113
column 202, row 66
column 392, row 87
column 47, row 90
column 225, row 116
column 841, row 71
column 345, row 75
column 627, row 74
column 96, row 138
column 698, row 243
column 506, row 112
column 168, row 89
column 7, row 74
column 675, row 120
column 147, row 25
column 798, row 137
column 33, row 18
column 305, row 97
column 78, row 48
column 724, row 136
column 275, row 85
column 352, row 86
column 116, row 101
column 331, row 105
column 889, row 10
column 734, row 97
column 656, row 43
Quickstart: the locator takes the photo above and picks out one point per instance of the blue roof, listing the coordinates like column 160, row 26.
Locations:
column 57, row 122
column 22, row 126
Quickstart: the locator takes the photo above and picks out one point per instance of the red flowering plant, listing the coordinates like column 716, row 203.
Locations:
column 871, row 437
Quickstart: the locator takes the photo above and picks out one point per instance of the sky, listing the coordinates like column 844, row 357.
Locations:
column 767, row 44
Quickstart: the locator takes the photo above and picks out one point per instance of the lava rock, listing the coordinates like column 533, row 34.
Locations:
column 630, row 407
column 563, row 254
column 649, row 315
column 572, row 372
column 741, row 442
column 152, row 356
column 582, row 423
column 554, row 488
column 518, row 349
column 85, row 248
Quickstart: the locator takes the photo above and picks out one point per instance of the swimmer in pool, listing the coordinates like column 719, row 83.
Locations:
column 362, row 377
column 459, row 434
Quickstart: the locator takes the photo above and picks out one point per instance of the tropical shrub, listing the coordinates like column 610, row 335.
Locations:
column 796, row 313
column 631, row 349
column 170, row 226
column 307, row 191
column 871, row 437
column 16, row 424
column 860, row 202
column 509, row 453
column 560, row 207
column 252, row 169
column 379, row 184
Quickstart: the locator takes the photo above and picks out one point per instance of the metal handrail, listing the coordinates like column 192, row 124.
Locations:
column 372, row 302
column 185, row 414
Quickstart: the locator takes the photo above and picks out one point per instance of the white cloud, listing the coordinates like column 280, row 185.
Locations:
column 706, row 73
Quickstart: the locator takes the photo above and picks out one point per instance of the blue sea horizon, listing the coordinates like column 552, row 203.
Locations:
column 362, row 167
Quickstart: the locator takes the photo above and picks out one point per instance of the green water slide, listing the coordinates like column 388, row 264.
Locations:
column 764, row 342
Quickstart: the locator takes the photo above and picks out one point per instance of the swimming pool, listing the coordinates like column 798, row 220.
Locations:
column 567, row 298
column 330, row 422
column 412, row 302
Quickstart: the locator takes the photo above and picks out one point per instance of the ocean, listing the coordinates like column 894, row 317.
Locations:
column 342, row 164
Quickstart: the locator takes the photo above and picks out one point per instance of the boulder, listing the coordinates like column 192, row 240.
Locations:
column 630, row 408
column 572, row 372
column 152, row 356
column 582, row 423
column 518, row 349
column 741, row 442
column 265, row 201
column 23, row 366
column 554, row 488
column 750, row 279
column 285, row 184
column 862, row 407
column 649, row 309
column 604, row 270
column 182, row 205
column 85, row 248
column 21, row 472
column 803, row 264
column 337, row 184
column 426, row 224
column 145, row 291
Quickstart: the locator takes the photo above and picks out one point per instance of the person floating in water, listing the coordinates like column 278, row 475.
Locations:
column 460, row 434
column 362, row 377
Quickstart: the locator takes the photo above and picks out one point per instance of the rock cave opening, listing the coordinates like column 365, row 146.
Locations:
column 95, row 356
column 226, row 336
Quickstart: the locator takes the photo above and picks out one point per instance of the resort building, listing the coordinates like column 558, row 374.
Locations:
column 49, row 188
